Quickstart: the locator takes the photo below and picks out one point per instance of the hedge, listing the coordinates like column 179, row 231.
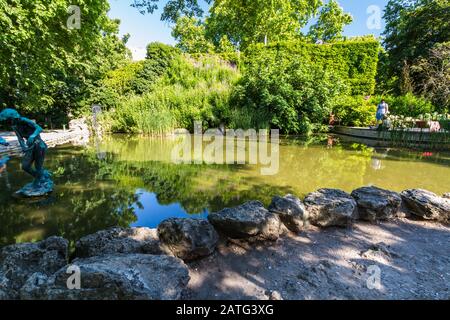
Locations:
column 354, row 61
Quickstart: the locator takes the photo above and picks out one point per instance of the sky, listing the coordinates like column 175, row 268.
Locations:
column 149, row 28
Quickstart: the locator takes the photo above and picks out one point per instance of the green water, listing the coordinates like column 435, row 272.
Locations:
column 131, row 181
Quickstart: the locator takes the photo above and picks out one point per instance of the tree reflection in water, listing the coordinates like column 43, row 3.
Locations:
column 94, row 193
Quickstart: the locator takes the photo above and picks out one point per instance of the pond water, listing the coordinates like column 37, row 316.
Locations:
column 131, row 181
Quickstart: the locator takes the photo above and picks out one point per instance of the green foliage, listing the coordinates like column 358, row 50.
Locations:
column 190, row 34
column 161, row 53
column 407, row 105
column 294, row 86
column 250, row 22
column 47, row 68
column 354, row 111
column 173, row 9
column 331, row 22
column 134, row 78
column 353, row 61
column 289, row 94
column 190, row 89
column 413, row 27
column 434, row 75
column 140, row 114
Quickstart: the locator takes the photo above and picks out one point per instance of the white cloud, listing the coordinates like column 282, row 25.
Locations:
column 139, row 53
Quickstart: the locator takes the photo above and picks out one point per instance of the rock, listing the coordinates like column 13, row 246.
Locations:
column 187, row 239
column 330, row 207
column 376, row 204
column 274, row 295
column 250, row 220
column 446, row 195
column 426, row 204
column 19, row 262
column 291, row 210
column 118, row 240
column 34, row 286
column 116, row 277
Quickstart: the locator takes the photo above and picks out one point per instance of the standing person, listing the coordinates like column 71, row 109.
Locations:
column 382, row 110
column 34, row 148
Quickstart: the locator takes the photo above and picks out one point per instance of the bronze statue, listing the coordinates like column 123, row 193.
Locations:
column 33, row 148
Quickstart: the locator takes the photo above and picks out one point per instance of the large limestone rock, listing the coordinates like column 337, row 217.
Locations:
column 330, row 207
column 426, row 204
column 114, row 277
column 376, row 204
column 291, row 210
column 118, row 240
column 187, row 239
column 19, row 262
column 250, row 220
column 446, row 195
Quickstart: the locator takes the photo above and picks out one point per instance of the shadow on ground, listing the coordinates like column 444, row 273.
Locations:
column 412, row 257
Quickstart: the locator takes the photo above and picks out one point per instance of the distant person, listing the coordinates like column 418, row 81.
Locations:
column 382, row 110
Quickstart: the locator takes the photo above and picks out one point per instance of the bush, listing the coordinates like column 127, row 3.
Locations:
column 134, row 78
column 407, row 105
column 285, row 93
column 354, row 111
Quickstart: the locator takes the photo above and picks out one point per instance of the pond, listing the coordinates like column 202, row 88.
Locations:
column 131, row 181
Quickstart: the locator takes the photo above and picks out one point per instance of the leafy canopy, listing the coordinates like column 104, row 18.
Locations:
column 47, row 67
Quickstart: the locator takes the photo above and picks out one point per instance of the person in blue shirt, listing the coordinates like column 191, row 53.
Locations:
column 382, row 110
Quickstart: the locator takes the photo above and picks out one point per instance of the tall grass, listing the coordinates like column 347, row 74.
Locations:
column 192, row 89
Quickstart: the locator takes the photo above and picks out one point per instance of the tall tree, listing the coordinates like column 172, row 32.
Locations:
column 173, row 9
column 413, row 27
column 46, row 64
column 434, row 79
column 331, row 22
column 190, row 34
column 250, row 21
column 245, row 22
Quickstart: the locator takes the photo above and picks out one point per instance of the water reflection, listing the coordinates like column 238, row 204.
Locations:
column 133, row 182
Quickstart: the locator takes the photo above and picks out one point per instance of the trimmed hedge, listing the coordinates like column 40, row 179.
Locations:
column 354, row 61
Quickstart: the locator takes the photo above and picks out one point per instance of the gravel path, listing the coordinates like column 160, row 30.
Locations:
column 412, row 258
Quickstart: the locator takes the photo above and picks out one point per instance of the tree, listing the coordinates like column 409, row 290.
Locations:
column 331, row 22
column 47, row 66
column 245, row 22
column 434, row 79
column 191, row 36
column 173, row 9
column 413, row 27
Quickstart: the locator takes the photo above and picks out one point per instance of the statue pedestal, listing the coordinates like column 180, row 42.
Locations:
column 37, row 188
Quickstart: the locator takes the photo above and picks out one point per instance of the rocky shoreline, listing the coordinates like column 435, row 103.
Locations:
column 162, row 263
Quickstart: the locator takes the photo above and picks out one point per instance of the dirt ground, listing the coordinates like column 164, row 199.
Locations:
column 412, row 259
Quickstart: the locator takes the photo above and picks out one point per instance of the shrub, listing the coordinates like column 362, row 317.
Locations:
column 354, row 111
column 285, row 93
column 134, row 78
column 407, row 105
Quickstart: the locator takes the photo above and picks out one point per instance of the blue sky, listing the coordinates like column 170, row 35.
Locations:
column 147, row 28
